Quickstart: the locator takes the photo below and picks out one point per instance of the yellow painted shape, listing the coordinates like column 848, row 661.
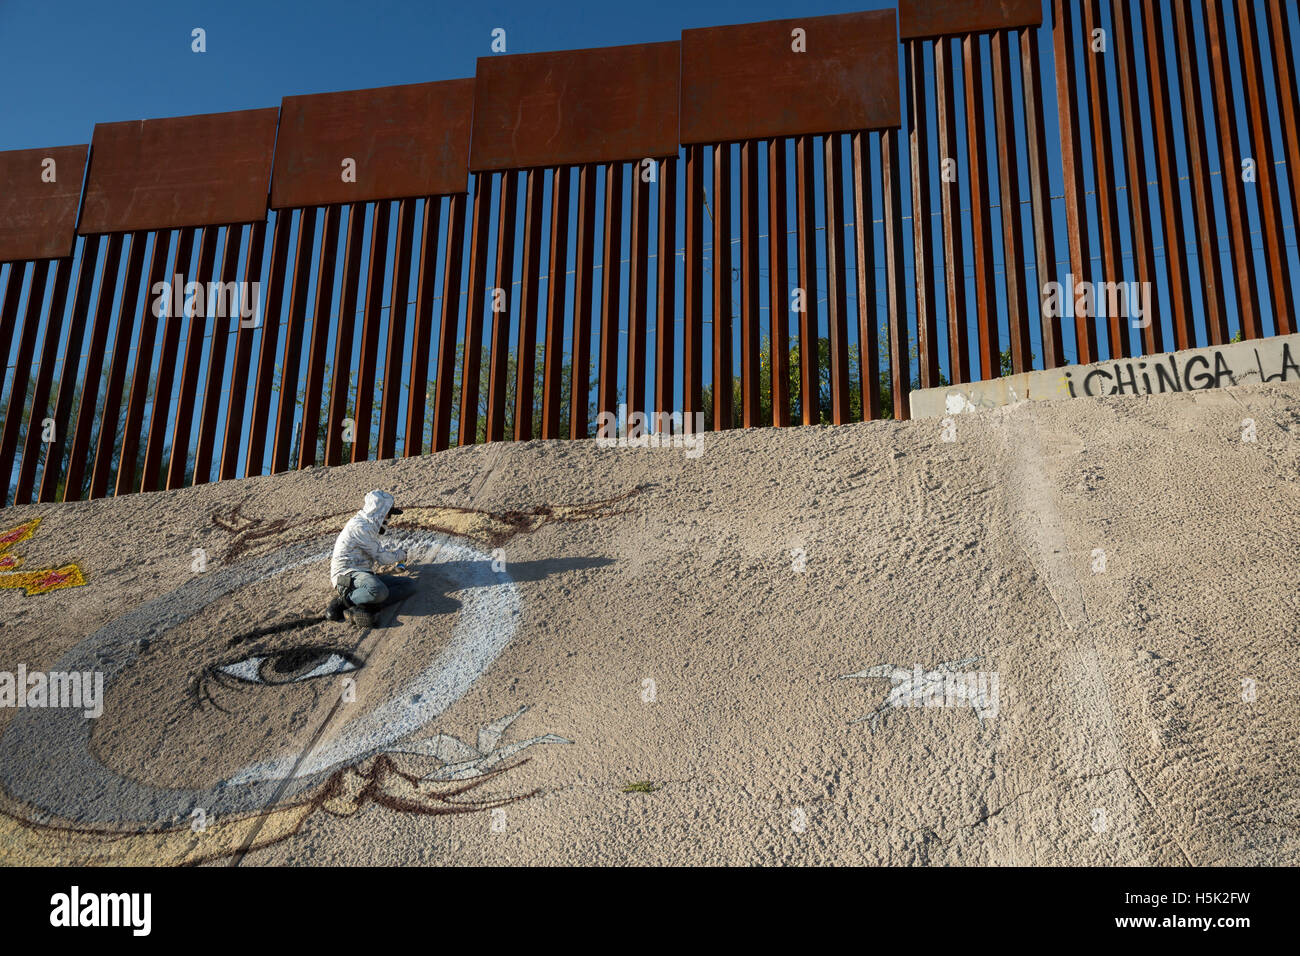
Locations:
column 33, row 582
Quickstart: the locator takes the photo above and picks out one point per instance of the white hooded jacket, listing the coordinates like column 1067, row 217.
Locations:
column 358, row 547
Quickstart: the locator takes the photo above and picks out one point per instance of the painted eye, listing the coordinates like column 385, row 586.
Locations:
column 290, row 666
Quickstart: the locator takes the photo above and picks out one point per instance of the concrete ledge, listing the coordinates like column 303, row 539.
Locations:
column 1275, row 359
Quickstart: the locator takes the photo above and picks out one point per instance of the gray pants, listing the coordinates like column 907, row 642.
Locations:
column 362, row 587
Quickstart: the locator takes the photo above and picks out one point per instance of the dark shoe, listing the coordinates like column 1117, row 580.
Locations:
column 362, row 616
column 334, row 610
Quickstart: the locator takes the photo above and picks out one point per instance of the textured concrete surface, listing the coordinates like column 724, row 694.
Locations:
column 680, row 631
column 1275, row 359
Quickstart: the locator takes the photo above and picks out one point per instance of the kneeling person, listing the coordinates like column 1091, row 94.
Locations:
column 357, row 550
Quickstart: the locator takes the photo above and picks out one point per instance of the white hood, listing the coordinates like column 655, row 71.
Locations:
column 358, row 547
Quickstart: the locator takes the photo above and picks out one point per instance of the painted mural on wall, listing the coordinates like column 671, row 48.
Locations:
column 32, row 582
column 193, row 761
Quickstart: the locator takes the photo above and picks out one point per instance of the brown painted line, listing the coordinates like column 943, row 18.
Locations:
column 74, row 483
column 1270, row 197
column 219, row 346
column 986, row 313
column 693, row 292
column 23, row 360
column 318, row 347
column 425, row 289
column 259, row 412
column 1019, row 302
column 666, row 293
column 580, row 379
column 1031, row 84
column 353, row 252
column 106, row 441
column 1234, row 190
column 1171, row 205
column 192, row 362
column 638, row 289
column 77, row 322
column 805, row 213
column 390, row 409
column 449, row 323
column 54, row 314
column 146, row 334
column 1105, row 158
column 473, row 352
column 723, row 416
column 499, row 357
column 529, row 304
column 950, row 204
column 1202, row 186
column 1139, row 199
column 922, row 238
column 864, row 249
column 372, row 318
column 1076, row 208
column 778, row 254
column 749, row 284
column 611, row 284
column 891, row 190
column 556, row 288
column 233, row 431
column 1286, row 87
column 837, row 313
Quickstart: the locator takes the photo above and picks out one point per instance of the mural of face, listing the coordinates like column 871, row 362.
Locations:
column 250, row 730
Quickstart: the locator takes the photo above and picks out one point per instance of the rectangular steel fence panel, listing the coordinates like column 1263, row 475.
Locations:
column 1270, row 198
column 749, row 284
column 234, row 431
column 317, row 349
column 837, row 312
column 778, row 258
column 602, row 105
column 790, row 77
column 40, row 200
column 390, row 409
column 478, row 252
column 693, row 289
column 556, row 287
column 53, row 322
column 371, row 320
column 891, row 191
column 168, row 360
column 927, row 343
column 106, row 442
column 192, row 362
column 260, row 410
column 77, row 322
column 954, row 268
column 986, row 314
column 1018, row 302
column 935, row 18
column 865, row 255
column 422, row 333
column 1234, row 190
column 103, row 314
column 806, row 213
column 611, row 276
column 299, row 290
column 392, row 142
column 337, row 413
column 584, row 251
column 15, row 415
column 502, row 300
column 224, row 329
column 449, row 323
column 147, row 331
column 638, row 275
column 207, row 170
column 722, row 318
column 526, row 341
column 666, row 289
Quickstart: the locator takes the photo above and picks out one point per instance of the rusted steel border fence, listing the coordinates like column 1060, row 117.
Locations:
column 508, row 256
